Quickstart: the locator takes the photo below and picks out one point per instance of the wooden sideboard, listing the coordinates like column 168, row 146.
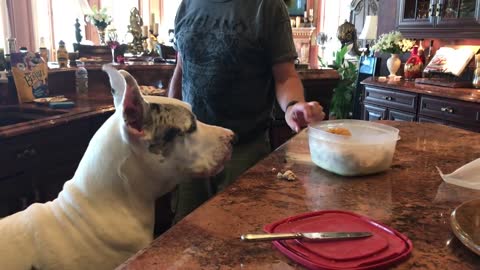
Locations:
column 407, row 101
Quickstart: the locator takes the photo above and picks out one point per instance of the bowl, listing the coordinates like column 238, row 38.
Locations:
column 369, row 149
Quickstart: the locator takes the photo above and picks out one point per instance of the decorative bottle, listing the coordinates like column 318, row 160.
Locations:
column 413, row 66
column 476, row 73
column 81, row 81
column 62, row 55
column 421, row 51
column 43, row 50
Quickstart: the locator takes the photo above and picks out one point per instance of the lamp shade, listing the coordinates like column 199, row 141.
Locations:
column 369, row 30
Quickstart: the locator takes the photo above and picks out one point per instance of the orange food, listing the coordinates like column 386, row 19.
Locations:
column 340, row 131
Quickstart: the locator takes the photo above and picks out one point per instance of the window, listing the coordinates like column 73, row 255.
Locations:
column 4, row 29
column 59, row 16
column 335, row 14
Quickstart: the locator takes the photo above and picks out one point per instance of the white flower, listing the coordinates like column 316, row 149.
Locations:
column 393, row 42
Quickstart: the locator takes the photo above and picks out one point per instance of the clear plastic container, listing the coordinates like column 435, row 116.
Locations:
column 368, row 150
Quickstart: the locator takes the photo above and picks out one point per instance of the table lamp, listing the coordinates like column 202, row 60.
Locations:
column 369, row 31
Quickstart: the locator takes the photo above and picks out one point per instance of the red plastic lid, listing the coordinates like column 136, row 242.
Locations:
column 386, row 247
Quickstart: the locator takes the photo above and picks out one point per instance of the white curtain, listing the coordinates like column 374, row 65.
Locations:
column 4, row 24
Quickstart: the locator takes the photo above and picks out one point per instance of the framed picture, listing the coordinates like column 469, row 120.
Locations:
column 297, row 7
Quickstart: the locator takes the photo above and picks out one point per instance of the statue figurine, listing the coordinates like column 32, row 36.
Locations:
column 347, row 34
column 78, row 31
column 135, row 28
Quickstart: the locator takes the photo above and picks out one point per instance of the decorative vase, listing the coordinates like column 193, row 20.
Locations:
column 393, row 64
column 101, row 35
column 414, row 66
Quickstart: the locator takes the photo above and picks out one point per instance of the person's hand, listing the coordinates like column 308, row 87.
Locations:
column 301, row 114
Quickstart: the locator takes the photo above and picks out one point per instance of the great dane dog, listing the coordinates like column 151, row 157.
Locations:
column 105, row 213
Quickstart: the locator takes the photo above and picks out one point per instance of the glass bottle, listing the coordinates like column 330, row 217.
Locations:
column 81, row 81
column 413, row 66
column 62, row 55
column 476, row 73
column 43, row 50
column 421, row 51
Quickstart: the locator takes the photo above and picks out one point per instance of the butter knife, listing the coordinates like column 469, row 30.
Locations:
column 315, row 236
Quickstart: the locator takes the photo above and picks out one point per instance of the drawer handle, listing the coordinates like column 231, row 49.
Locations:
column 27, row 153
column 447, row 109
column 387, row 98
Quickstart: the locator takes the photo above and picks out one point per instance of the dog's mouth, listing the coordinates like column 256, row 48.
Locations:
column 220, row 165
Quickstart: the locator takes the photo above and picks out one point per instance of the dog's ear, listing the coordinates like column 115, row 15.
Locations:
column 117, row 83
column 133, row 104
column 127, row 97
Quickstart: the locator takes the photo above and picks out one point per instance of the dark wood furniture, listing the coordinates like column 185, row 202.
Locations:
column 410, row 197
column 439, row 18
column 318, row 86
column 39, row 156
column 407, row 101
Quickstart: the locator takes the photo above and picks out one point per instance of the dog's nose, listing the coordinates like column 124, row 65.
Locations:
column 230, row 138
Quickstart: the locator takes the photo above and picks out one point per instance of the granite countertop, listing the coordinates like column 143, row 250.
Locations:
column 410, row 197
column 464, row 94
column 89, row 106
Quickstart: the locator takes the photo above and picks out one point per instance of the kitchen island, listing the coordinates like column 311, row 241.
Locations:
column 410, row 197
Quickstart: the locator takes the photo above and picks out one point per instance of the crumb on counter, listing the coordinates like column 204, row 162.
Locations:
column 287, row 175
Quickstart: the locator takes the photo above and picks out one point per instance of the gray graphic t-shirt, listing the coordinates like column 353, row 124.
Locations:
column 228, row 48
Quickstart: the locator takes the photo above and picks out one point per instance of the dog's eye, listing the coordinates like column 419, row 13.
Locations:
column 170, row 134
column 113, row 91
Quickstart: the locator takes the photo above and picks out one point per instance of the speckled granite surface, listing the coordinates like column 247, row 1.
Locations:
column 465, row 94
column 410, row 197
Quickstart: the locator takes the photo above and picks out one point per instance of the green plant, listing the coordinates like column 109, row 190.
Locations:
column 341, row 105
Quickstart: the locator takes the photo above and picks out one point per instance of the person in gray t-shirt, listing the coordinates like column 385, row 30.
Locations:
column 234, row 58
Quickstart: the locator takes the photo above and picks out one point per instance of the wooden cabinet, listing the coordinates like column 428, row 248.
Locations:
column 441, row 18
column 36, row 165
column 315, row 89
column 385, row 104
column 392, row 104
column 455, row 113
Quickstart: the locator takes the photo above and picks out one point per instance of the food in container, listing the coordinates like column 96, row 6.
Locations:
column 369, row 149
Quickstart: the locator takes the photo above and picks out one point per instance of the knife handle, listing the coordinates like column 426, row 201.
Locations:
column 269, row 236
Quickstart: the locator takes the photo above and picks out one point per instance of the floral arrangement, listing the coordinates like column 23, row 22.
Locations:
column 393, row 42
column 99, row 18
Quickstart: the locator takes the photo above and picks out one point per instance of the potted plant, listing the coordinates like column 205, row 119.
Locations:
column 393, row 43
column 100, row 19
column 341, row 105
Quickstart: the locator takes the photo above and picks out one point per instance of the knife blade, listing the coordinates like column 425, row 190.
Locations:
column 316, row 236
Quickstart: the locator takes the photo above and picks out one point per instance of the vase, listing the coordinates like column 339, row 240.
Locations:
column 101, row 35
column 413, row 66
column 393, row 64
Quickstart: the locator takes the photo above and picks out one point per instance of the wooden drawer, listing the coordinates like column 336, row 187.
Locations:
column 401, row 116
column 391, row 99
column 450, row 110
column 373, row 112
column 45, row 148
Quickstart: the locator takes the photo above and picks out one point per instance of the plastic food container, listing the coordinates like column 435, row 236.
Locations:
column 368, row 150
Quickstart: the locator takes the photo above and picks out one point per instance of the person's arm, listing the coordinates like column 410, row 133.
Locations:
column 175, row 89
column 289, row 92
